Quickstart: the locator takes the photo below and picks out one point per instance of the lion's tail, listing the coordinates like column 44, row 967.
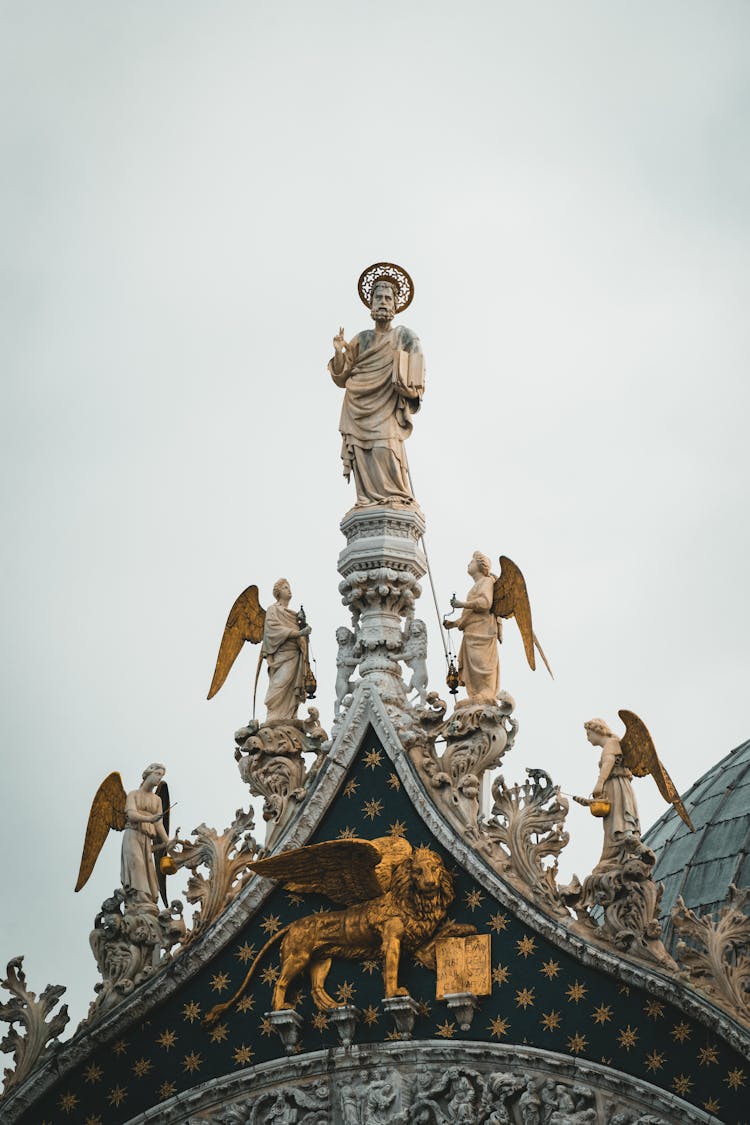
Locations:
column 217, row 1009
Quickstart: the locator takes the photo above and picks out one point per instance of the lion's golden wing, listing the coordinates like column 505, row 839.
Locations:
column 640, row 757
column 342, row 870
column 107, row 811
column 245, row 623
column 511, row 599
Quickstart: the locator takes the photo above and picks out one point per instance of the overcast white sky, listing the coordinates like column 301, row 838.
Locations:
column 189, row 192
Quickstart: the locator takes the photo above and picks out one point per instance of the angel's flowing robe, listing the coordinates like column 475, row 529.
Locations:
column 137, row 868
column 478, row 661
column 621, row 824
column 284, row 651
column 383, row 377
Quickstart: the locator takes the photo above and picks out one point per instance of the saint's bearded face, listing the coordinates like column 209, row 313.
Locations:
column 383, row 302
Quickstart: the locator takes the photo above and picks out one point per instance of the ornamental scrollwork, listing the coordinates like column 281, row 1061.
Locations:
column 31, row 1013
column 716, row 951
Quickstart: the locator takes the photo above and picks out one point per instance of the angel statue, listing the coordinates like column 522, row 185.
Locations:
column 487, row 602
column 143, row 818
column 613, row 798
column 284, row 647
column 382, row 373
column 395, row 900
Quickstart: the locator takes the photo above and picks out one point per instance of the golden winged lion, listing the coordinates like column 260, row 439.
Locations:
column 143, row 818
column 489, row 600
column 395, row 898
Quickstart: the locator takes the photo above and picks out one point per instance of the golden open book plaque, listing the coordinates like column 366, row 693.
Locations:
column 464, row 965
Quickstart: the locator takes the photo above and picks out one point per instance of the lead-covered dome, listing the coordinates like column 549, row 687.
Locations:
column 701, row 865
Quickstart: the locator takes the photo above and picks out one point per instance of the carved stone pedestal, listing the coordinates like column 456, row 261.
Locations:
column 288, row 1025
column 270, row 760
column 618, row 903
column 403, row 1011
column 380, row 567
column 129, row 937
column 345, row 1019
column 462, row 1005
column 476, row 739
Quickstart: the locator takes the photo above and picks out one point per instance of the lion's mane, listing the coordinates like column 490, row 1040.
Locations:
column 418, row 903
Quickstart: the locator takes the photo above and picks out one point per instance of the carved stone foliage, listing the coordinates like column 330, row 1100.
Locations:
column 476, row 739
column 128, row 941
column 271, row 763
column 31, row 1013
column 226, row 858
column 717, row 951
column 291, row 1105
column 618, row 903
column 527, row 827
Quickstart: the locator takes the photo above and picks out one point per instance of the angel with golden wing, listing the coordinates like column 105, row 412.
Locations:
column 489, row 600
column 143, row 818
column 613, row 799
column 284, row 647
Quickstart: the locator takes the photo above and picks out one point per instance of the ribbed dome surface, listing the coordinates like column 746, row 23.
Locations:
column 700, row 865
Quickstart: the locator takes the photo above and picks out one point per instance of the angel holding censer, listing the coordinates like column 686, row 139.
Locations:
column 142, row 815
column 488, row 601
column 613, row 798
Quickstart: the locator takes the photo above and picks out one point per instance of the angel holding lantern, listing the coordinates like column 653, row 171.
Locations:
column 488, row 601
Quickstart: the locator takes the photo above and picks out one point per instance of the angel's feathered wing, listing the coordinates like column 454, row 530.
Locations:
column 245, row 623
column 162, row 791
column 640, row 757
column 342, row 870
column 107, row 811
column 511, row 599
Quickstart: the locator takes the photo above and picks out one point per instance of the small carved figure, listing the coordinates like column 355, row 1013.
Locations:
column 346, row 662
column 379, row 1103
column 142, row 815
column 414, row 654
column 489, row 600
column 311, row 726
column 382, row 373
column 284, row 647
column 395, row 896
column 280, row 1112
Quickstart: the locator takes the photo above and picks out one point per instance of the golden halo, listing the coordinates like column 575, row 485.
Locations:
column 400, row 278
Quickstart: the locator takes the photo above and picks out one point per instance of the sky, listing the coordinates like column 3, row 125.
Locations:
column 189, row 192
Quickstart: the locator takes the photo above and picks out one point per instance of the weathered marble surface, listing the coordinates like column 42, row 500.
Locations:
column 427, row 1084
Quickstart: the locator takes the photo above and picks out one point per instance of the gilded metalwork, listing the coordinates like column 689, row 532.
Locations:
column 464, row 964
column 388, row 271
column 107, row 811
column 511, row 599
column 640, row 757
column 395, row 898
column 244, row 623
